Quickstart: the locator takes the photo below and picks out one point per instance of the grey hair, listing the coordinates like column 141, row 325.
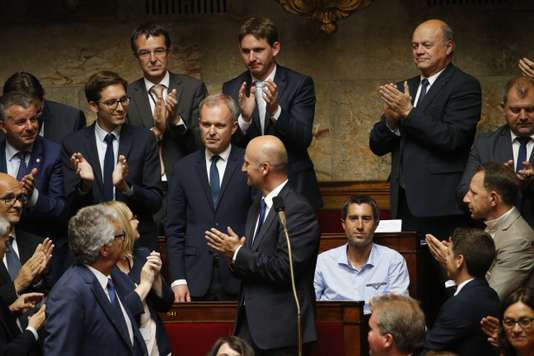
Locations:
column 216, row 99
column 5, row 226
column 401, row 317
column 14, row 98
column 89, row 230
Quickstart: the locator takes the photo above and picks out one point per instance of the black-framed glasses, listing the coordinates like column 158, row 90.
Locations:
column 10, row 199
column 523, row 322
column 146, row 54
column 112, row 104
column 121, row 236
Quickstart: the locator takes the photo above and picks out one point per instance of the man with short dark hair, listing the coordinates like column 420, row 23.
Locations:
column 87, row 312
column 396, row 326
column 207, row 189
column 511, row 144
column 275, row 100
column 162, row 101
column 491, row 197
column 113, row 160
column 470, row 254
column 56, row 120
column 360, row 269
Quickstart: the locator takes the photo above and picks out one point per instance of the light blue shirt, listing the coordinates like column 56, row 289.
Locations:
column 336, row 279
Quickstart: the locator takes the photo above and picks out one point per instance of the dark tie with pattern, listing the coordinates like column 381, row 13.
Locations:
column 263, row 208
column 109, row 166
column 13, row 261
column 522, row 154
column 22, row 167
column 215, row 181
column 424, row 86
column 119, row 316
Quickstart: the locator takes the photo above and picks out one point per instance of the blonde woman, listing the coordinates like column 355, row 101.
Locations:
column 146, row 300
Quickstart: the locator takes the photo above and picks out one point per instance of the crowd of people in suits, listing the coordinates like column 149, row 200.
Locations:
column 82, row 207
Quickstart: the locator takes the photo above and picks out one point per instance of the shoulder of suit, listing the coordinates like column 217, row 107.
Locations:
column 66, row 109
column 74, row 137
column 136, row 84
column 492, row 135
column 237, row 80
column 48, row 144
column 186, row 79
column 291, row 72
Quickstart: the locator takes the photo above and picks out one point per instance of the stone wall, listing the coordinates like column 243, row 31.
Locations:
column 370, row 48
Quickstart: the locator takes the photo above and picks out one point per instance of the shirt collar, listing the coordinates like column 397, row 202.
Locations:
column 343, row 257
column 165, row 81
column 224, row 154
column 100, row 277
column 433, row 77
column 269, row 197
column 269, row 77
column 514, row 136
column 12, row 151
column 498, row 223
column 101, row 133
column 461, row 285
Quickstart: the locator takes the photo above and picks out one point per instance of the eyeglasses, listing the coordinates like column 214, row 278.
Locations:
column 523, row 322
column 112, row 104
column 9, row 200
column 146, row 54
column 121, row 236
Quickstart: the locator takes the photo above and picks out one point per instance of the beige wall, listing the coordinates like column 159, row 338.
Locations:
column 371, row 47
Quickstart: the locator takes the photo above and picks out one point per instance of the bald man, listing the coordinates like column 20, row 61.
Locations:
column 267, row 311
column 428, row 125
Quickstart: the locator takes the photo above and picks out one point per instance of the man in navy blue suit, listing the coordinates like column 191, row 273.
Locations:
column 86, row 312
column 275, row 100
column 112, row 160
column 207, row 189
column 457, row 328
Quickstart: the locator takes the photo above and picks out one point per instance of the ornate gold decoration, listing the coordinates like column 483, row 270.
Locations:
column 327, row 12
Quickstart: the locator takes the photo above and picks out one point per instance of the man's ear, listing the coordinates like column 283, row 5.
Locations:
column 389, row 341
column 276, row 48
column 93, row 105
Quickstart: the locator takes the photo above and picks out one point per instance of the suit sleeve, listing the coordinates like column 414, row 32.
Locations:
column 147, row 196
column 512, row 266
column 81, row 121
column 295, row 123
column 473, row 162
column 22, row 345
column 175, row 224
column 452, row 130
column 8, row 294
column 304, row 235
column 64, row 324
column 382, row 140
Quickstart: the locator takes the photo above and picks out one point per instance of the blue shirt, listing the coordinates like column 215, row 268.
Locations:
column 336, row 279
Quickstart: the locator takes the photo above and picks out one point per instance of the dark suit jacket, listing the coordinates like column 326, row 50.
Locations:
column 496, row 146
column 191, row 212
column 434, row 144
column 296, row 97
column 44, row 217
column 26, row 243
column 12, row 341
column 139, row 147
column 61, row 120
column 80, row 319
column 178, row 141
column 263, row 267
column 155, row 304
column 457, row 327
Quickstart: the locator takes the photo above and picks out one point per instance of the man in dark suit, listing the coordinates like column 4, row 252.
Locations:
column 207, row 189
column 57, row 120
column 33, row 160
column 275, row 100
column 112, row 160
column 164, row 102
column 86, row 314
column 457, row 329
column 428, row 125
column 267, row 311
column 511, row 143
column 27, row 257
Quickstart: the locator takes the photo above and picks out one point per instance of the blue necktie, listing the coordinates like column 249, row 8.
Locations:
column 522, row 154
column 109, row 166
column 119, row 316
column 263, row 208
column 22, row 167
column 215, row 182
column 13, row 261
column 424, row 86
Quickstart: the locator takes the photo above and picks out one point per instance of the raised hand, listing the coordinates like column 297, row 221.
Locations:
column 171, row 104
column 160, row 117
column 83, row 169
column 28, row 182
column 120, row 173
column 25, row 302
column 37, row 320
column 181, row 294
column 247, row 104
column 224, row 243
column 438, row 249
column 490, row 327
column 527, row 67
column 270, row 95
column 397, row 101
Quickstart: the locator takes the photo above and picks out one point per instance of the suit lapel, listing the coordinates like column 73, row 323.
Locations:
column 92, row 157
column 441, row 81
column 142, row 104
column 37, row 156
column 175, row 83
column 252, row 217
column 202, row 174
column 503, row 149
column 231, row 167
column 266, row 226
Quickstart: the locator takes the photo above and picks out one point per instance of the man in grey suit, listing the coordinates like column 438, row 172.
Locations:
column 511, row 143
column 164, row 102
column 491, row 196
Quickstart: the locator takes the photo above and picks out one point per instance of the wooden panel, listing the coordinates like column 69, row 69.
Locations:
column 335, row 193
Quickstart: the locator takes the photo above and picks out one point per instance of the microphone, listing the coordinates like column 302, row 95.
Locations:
column 279, row 208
